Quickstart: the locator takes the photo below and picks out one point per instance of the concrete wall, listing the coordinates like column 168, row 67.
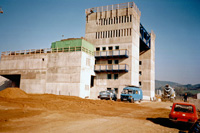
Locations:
column 66, row 73
column 127, row 40
column 147, row 68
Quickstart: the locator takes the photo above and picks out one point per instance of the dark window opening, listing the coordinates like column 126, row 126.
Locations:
column 108, row 89
column 42, row 59
column 115, row 76
column 116, row 90
column 116, row 47
column 97, row 48
column 140, row 62
column 110, row 48
column 140, row 73
column 109, row 61
column 92, row 81
column 116, row 61
column 103, row 48
column 109, row 76
column 140, row 83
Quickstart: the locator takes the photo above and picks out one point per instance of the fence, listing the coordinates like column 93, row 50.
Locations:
column 47, row 50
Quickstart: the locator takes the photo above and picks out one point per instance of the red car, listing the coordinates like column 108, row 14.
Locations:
column 185, row 112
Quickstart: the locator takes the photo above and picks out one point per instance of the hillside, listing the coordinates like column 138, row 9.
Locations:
column 179, row 88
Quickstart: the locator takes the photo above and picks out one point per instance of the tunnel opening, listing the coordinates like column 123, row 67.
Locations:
column 10, row 81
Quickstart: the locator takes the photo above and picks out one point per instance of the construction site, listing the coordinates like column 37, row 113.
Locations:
column 116, row 52
column 56, row 89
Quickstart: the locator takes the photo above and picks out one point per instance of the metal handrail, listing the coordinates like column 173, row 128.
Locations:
column 47, row 50
column 114, row 52
column 113, row 7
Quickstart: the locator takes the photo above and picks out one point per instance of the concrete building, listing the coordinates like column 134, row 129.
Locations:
column 124, row 50
column 118, row 52
column 61, row 71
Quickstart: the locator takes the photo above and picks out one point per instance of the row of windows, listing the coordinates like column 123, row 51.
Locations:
column 115, row 20
column 109, row 48
column 112, row 76
column 111, row 62
column 113, row 33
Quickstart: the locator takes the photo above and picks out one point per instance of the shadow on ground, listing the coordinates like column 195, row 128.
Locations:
column 182, row 126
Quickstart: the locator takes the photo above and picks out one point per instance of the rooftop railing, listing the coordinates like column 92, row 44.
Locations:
column 113, row 7
column 111, row 68
column 47, row 50
column 112, row 53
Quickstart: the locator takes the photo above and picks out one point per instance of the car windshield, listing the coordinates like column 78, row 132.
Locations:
column 183, row 108
column 129, row 91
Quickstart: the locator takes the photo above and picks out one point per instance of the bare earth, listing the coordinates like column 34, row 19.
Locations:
column 51, row 113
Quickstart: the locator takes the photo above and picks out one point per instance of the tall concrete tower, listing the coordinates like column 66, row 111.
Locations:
column 121, row 44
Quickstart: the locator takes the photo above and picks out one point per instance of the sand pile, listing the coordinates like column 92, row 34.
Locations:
column 13, row 93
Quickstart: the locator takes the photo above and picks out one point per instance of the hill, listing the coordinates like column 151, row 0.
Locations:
column 179, row 88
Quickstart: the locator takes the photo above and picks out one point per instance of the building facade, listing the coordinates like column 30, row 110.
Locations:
column 124, row 50
column 117, row 52
column 64, row 69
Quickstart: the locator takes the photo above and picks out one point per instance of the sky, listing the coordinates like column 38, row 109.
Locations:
column 35, row 24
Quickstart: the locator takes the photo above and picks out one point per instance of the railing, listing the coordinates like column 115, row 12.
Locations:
column 112, row 53
column 111, row 68
column 113, row 7
column 47, row 50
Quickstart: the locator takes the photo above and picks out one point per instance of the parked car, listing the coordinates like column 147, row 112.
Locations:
column 108, row 95
column 132, row 94
column 185, row 112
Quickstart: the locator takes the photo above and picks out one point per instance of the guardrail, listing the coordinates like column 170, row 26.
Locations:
column 113, row 7
column 112, row 53
column 111, row 68
column 47, row 50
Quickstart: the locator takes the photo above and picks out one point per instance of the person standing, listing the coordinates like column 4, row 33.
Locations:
column 185, row 97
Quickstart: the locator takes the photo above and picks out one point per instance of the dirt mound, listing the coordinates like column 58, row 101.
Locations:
column 13, row 93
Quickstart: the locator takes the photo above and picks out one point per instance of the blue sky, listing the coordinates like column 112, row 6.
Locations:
column 35, row 24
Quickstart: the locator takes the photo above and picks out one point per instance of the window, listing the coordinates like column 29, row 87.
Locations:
column 116, row 47
column 130, row 18
column 115, row 76
column 110, row 48
column 140, row 62
column 116, row 90
column 140, row 73
column 108, row 89
column 109, row 61
column 103, row 48
column 97, row 48
column 116, row 61
column 109, row 76
column 140, row 83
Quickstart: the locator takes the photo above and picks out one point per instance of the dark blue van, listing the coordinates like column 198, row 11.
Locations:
column 132, row 94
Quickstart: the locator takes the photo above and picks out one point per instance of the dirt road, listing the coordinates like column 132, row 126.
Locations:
column 51, row 113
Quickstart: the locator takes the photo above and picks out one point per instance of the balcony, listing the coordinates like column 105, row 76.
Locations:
column 122, row 53
column 111, row 68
